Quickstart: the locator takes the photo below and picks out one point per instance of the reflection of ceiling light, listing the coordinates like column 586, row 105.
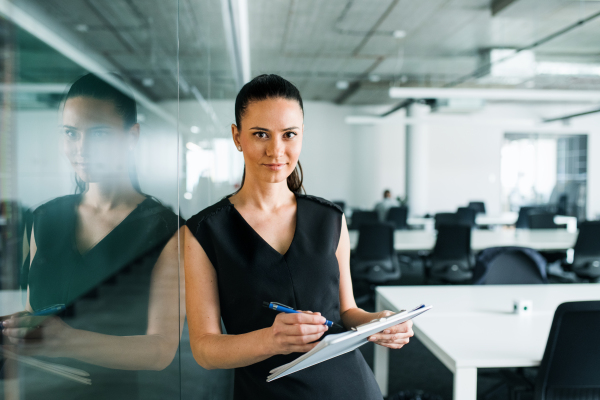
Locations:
column 399, row 34
column 141, row 117
column 374, row 78
column 82, row 28
column 187, row 196
column 195, row 129
column 342, row 85
column 148, row 82
column 192, row 146
column 404, row 79
column 509, row 63
column 563, row 68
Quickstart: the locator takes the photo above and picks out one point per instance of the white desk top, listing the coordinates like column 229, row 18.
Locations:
column 473, row 326
column 542, row 239
column 11, row 301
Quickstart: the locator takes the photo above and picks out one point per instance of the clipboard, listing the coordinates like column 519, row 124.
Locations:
column 337, row 344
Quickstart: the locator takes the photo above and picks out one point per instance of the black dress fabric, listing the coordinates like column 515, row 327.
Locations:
column 59, row 274
column 306, row 277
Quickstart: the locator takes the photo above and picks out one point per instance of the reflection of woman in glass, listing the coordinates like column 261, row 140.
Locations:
column 270, row 243
column 80, row 241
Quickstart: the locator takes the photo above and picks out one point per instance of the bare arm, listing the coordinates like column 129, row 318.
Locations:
column 213, row 349
column 394, row 337
column 153, row 351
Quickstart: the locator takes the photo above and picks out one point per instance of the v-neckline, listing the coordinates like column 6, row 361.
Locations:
column 90, row 249
column 263, row 239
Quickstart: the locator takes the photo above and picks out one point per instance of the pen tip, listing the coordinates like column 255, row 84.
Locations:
column 266, row 304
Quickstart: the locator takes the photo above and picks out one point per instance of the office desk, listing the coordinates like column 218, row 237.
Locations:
column 473, row 327
column 507, row 218
column 11, row 301
column 542, row 239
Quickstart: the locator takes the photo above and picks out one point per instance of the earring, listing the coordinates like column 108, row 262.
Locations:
column 239, row 148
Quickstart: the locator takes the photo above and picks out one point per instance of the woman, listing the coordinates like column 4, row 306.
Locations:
column 80, row 241
column 269, row 242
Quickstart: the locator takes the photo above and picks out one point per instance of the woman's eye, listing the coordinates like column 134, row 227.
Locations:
column 260, row 135
column 71, row 134
column 290, row 135
column 99, row 133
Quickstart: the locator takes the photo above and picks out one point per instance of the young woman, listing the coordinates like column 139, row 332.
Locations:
column 79, row 241
column 268, row 242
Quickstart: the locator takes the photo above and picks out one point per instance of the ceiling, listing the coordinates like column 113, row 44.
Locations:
column 314, row 43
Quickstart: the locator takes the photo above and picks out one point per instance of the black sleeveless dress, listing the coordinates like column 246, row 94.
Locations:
column 250, row 271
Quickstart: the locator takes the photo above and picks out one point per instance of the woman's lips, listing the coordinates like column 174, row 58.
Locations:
column 274, row 167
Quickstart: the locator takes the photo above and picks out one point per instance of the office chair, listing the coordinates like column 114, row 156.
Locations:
column 445, row 219
column 477, row 206
column 542, row 220
column 509, row 266
column 398, row 216
column 363, row 217
column 466, row 216
column 570, row 367
column 586, row 257
column 450, row 260
column 523, row 219
column 375, row 259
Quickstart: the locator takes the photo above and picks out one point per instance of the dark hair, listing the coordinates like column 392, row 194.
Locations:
column 265, row 87
column 92, row 86
column 387, row 193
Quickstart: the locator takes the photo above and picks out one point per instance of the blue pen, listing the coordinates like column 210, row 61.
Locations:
column 289, row 310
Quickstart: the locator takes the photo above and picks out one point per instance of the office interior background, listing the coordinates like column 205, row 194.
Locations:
column 441, row 102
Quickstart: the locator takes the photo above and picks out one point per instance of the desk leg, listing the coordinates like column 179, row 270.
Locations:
column 465, row 384
column 381, row 359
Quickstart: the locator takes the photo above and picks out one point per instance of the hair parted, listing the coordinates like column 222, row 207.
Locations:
column 263, row 87
column 92, row 86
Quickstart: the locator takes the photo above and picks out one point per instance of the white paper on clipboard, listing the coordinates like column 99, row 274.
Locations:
column 337, row 344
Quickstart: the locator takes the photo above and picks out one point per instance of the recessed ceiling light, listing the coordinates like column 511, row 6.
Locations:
column 398, row 34
column 187, row 196
column 374, row 78
column 342, row 85
column 82, row 28
column 148, row 82
column 194, row 129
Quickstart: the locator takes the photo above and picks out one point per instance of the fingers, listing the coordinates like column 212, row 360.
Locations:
column 391, row 338
column 301, row 318
column 405, row 327
column 23, row 322
column 303, row 329
column 22, row 333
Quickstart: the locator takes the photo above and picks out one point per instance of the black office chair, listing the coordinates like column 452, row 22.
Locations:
column 445, row 219
column 450, row 260
column 375, row 260
column 363, row 217
column 466, row 216
column 586, row 257
column 543, row 220
column 477, row 206
column 570, row 368
column 398, row 216
column 509, row 266
column 523, row 219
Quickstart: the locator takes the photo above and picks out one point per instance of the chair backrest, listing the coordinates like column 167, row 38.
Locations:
column 445, row 219
column 363, row 217
column 477, row 206
column 466, row 216
column 523, row 219
column 375, row 241
column 570, row 368
column 453, row 242
column 509, row 265
column 398, row 217
column 542, row 220
column 586, row 257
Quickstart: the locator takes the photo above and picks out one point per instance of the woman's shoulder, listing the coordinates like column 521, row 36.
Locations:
column 152, row 209
column 321, row 202
column 208, row 213
column 57, row 205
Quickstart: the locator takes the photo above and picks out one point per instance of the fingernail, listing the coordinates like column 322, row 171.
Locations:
column 386, row 331
column 371, row 339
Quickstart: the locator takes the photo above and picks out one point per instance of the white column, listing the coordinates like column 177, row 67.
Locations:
column 465, row 384
column 417, row 161
column 381, row 359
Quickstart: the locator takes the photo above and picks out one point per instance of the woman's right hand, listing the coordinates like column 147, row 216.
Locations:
column 295, row 333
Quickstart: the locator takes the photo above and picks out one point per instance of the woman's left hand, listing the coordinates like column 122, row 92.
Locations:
column 32, row 335
column 395, row 336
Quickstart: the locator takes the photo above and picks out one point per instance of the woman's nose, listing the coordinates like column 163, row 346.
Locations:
column 276, row 148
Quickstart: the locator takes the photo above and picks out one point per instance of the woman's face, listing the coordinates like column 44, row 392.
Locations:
column 95, row 140
column 270, row 138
